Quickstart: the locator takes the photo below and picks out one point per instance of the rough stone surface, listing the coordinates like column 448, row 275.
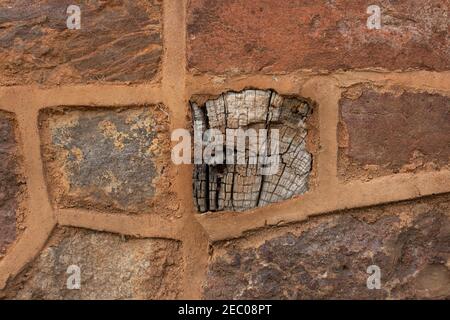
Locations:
column 112, row 267
column 327, row 257
column 232, row 36
column 106, row 158
column 255, row 181
column 393, row 131
column 11, row 181
column 118, row 41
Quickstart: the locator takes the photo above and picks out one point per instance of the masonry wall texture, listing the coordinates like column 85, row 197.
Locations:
column 106, row 158
column 118, row 41
column 327, row 258
column 111, row 267
column 86, row 176
column 393, row 131
column 287, row 35
column 11, row 182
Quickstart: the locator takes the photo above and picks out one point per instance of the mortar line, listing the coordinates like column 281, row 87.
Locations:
column 388, row 189
column 39, row 219
column 290, row 82
column 83, row 95
column 195, row 242
column 140, row 226
column 326, row 94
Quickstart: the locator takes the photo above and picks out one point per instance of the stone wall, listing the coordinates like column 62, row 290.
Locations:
column 87, row 179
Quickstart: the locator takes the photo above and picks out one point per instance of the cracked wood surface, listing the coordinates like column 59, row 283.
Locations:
column 233, row 186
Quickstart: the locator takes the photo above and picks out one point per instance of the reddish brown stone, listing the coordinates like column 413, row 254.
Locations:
column 327, row 257
column 10, row 181
column 285, row 35
column 395, row 131
column 118, row 41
